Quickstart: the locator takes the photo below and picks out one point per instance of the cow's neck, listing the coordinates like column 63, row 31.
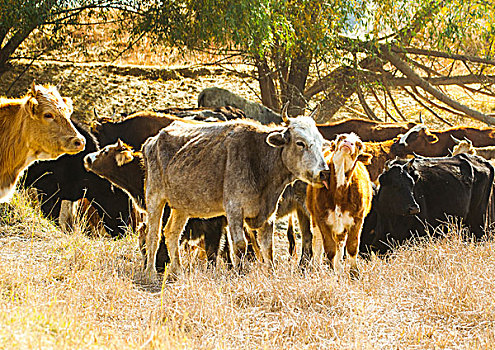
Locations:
column 133, row 180
column 343, row 166
column 274, row 176
column 13, row 148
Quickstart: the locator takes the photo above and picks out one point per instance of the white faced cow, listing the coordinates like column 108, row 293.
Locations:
column 237, row 168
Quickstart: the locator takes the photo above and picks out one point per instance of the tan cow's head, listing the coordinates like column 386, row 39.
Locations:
column 51, row 132
column 417, row 140
column 462, row 146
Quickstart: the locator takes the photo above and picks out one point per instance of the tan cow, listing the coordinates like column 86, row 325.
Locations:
column 34, row 127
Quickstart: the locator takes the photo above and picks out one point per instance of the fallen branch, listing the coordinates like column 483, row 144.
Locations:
column 434, row 53
column 425, row 85
column 415, row 98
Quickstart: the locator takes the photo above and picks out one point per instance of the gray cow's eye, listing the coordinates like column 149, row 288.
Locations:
column 301, row 144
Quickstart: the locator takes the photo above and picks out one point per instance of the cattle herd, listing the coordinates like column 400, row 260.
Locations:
column 223, row 173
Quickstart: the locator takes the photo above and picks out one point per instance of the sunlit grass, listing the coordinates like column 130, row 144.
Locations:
column 69, row 291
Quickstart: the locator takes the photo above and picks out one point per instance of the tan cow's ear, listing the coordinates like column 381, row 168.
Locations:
column 32, row 104
column 124, row 158
column 365, row 158
column 277, row 139
column 33, row 88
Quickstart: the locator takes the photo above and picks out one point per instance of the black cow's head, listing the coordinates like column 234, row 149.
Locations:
column 396, row 194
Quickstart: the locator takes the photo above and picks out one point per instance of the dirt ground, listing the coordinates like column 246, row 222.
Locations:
column 123, row 89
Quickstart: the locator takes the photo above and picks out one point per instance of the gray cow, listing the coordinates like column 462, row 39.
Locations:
column 237, row 168
column 216, row 97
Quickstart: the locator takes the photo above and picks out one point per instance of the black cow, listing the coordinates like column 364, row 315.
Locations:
column 421, row 193
column 66, row 179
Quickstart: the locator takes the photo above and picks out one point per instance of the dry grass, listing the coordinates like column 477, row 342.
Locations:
column 69, row 291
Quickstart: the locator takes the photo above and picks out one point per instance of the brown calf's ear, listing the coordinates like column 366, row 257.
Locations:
column 365, row 158
column 329, row 145
column 124, row 158
column 277, row 139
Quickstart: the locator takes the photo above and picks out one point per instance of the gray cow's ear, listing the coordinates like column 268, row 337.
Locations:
column 277, row 139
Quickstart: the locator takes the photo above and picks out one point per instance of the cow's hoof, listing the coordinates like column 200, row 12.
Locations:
column 240, row 249
column 150, row 275
column 171, row 277
column 354, row 273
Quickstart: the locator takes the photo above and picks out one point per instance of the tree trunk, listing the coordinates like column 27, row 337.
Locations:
column 295, row 84
column 268, row 90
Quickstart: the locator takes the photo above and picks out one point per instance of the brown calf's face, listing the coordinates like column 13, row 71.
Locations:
column 417, row 140
column 52, row 132
column 109, row 159
column 302, row 151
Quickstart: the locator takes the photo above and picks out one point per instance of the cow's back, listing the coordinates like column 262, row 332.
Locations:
column 190, row 162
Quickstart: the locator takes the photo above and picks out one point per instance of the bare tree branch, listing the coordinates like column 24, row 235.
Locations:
column 434, row 53
column 436, row 105
column 415, row 98
column 381, row 104
column 366, row 107
column 425, row 85
column 393, row 102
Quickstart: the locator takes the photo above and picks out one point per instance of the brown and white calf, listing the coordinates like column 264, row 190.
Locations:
column 338, row 210
column 34, row 127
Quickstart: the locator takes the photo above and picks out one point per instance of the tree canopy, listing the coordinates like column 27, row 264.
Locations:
column 348, row 46
column 352, row 45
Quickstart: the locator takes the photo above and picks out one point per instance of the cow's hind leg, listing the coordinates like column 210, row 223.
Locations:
column 173, row 230
column 237, row 242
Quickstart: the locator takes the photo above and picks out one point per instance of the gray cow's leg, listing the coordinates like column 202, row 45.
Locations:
column 154, row 205
column 237, row 242
column 307, row 238
column 173, row 230
column 265, row 236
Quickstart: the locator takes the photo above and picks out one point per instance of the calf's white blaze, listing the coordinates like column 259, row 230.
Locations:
column 338, row 220
column 403, row 139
